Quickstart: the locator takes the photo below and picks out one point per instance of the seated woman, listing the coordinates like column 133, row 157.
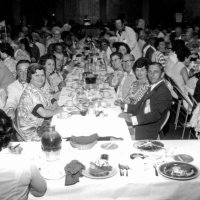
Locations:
column 53, row 79
column 124, row 48
column 18, row 175
column 35, row 104
column 139, row 87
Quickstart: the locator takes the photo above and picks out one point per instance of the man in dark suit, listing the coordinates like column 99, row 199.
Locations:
column 148, row 115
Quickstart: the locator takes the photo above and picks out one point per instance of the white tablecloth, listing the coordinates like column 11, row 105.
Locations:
column 77, row 125
column 141, row 184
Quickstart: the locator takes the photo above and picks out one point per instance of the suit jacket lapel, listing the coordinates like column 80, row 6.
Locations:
column 152, row 92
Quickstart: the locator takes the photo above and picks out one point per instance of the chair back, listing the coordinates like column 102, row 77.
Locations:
column 170, row 80
column 192, row 99
column 165, row 120
column 182, row 96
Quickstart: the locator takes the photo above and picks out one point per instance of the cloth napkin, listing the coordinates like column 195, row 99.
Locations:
column 84, row 140
column 73, row 171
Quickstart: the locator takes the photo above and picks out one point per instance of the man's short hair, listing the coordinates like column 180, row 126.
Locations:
column 158, row 64
column 120, row 18
column 116, row 54
column 22, row 62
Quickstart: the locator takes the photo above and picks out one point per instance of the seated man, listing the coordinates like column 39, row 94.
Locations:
column 16, row 88
column 114, row 79
column 129, row 77
column 148, row 114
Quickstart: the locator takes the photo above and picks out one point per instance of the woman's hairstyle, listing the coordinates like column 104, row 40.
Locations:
column 141, row 62
column 6, row 129
column 6, row 48
column 44, row 58
column 177, row 44
column 157, row 42
column 105, row 41
column 128, row 50
column 32, row 70
column 182, row 53
column 25, row 42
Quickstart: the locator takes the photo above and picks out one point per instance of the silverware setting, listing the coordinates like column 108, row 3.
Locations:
column 123, row 169
column 156, row 171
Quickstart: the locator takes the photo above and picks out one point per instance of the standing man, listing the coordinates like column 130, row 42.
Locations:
column 127, row 35
column 148, row 115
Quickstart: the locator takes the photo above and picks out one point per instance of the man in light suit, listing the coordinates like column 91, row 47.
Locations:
column 129, row 77
column 148, row 115
column 16, row 88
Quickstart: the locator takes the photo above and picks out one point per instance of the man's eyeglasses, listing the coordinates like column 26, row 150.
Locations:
column 126, row 61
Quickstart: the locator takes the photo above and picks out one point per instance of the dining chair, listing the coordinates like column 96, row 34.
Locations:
column 176, row 100
column 183, row 109
column 163, row 124
column 192, row 132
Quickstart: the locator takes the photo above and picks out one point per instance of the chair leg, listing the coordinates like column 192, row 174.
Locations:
column 185, row 124
column 177, row 114
column 189, row 136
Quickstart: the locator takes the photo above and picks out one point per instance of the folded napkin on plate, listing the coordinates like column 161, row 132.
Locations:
column 84, row 140
column 73, row 171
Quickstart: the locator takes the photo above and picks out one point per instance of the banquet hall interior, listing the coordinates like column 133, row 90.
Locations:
column 99, row 99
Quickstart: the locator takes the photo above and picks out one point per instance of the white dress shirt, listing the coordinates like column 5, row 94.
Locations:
column 15, row 91
column 128, row 36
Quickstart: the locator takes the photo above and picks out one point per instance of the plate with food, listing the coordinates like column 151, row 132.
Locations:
column 178, row 170
column 100, row 169
column 149, row 145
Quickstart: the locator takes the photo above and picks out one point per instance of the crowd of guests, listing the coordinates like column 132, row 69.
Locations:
column 35, row 65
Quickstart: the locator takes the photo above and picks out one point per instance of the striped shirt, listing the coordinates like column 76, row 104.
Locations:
column 159, row 57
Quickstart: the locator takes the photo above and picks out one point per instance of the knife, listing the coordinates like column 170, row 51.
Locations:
column 106, row 138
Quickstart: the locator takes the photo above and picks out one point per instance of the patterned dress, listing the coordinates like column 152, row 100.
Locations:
column 28, row 123
column 136, row 92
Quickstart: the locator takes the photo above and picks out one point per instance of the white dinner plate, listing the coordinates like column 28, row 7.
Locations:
column 87, row 174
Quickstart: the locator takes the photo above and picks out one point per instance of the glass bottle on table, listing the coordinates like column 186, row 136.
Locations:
column 51, row 144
